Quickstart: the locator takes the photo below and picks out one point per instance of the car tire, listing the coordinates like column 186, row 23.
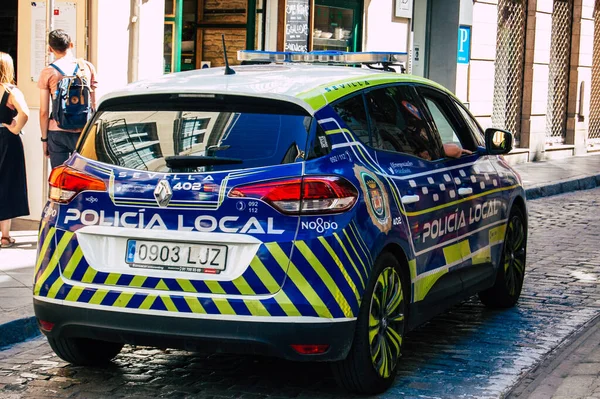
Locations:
column 511, row 271
column 370, row 367
column 85, row 351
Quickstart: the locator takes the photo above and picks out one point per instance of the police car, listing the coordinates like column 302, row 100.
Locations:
column 293, row 209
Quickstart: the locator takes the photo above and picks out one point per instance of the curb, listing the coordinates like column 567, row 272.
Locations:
column 584, row 183
column 18, row 330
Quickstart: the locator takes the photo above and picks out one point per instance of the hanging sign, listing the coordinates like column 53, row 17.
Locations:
column 464, row 45
column 296, row 25
column 404, row 9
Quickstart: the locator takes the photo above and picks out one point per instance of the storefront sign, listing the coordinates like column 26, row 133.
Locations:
column 296, row 25
column 404, row 9
column 464, row 45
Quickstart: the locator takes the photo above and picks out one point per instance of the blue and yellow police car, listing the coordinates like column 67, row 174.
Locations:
column 287, row 208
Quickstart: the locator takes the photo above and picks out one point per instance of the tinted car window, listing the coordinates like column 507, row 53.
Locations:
column 352, row 112
column 141, row 139
column 398, row 123
column 442, row 122
column 472, row 124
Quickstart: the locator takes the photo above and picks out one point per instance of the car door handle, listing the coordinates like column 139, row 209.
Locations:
column 409, row 199
column 465, row 191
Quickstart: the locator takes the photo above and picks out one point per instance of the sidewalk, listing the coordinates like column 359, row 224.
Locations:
column 573, row 372
column 17, row 322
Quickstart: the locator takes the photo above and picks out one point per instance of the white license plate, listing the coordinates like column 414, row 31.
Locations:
column 174, row 256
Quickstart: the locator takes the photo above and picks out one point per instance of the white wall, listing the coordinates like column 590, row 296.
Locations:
column 110, row 41
column 382, row 31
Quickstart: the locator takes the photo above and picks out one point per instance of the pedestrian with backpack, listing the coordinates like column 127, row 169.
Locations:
column 14, row 114
column 69, row 83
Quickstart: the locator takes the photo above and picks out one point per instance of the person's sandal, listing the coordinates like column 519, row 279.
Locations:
column 7, row 242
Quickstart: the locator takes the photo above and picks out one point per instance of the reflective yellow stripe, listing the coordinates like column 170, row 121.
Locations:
column 123, row 299
column 320, row 96
column 294, row 274
column 74, row 294
column 161, row 286
column 44, row 248
column 412, row 266
column 356, row 253
column 73, row 263
column 186, row 286
column 329, row 282
column 58, row 251
column 112, row 279
column 256, row 308
column 456, row 252
column 98, row 296
column 89, row 275
column 169, row 303
column 148, row 301
column 214, row 287
column 242, row 285
column 55, row 288
column 42, row 227
column 137, row 281
column 224, row 306
column 264, row 276
column 496, row 235
column 194, row 304
column 423, row 285
column 361, row 242
column 362, row 281
column 339, row 264
column 482, row 256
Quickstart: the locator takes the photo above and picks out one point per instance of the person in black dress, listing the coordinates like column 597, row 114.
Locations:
column 14, row 114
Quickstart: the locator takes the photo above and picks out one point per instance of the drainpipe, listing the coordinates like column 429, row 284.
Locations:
column 134, row 41
column 47, row 61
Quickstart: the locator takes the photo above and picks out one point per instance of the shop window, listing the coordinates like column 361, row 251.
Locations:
column 336, row 25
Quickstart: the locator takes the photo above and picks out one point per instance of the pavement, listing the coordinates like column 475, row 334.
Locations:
column 579, row 351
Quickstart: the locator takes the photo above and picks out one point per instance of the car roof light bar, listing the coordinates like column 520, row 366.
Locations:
column 329, row 57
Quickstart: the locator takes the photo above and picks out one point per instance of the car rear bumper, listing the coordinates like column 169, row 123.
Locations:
column 194, row 334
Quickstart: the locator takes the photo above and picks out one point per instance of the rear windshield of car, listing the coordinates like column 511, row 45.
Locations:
column 144, row 139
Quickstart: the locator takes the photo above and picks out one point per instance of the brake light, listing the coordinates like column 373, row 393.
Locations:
column 66, row 183
column 307, row 195
column 310, row 349
column 46, row 325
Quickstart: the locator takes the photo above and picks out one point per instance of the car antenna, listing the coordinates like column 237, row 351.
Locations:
column 228, row 71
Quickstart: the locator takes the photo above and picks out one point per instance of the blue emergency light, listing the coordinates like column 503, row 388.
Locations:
column 368, row 58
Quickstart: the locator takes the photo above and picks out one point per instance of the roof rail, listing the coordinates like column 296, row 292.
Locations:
column 371, row 59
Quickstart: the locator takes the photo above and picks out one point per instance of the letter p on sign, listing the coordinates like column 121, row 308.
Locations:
column 464, row 45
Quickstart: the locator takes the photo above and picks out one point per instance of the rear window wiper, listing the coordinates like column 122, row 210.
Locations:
column 193, row 161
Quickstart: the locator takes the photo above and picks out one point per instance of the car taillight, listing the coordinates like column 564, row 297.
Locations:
column 66, row 183
column 307, row 195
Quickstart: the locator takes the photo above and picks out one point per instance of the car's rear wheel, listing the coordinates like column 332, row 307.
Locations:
column 511, row 272
column 85, row 351
column 371, row 364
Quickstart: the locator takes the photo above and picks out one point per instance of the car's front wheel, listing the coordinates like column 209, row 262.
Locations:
column 85, row 351
column 371, row 364
column 511, row 271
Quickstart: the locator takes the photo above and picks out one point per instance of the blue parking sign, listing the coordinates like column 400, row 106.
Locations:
column 464, row 45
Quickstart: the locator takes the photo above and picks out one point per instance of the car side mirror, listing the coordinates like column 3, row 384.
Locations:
column 498, row 141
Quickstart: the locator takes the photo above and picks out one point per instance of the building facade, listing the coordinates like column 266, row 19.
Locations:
column 529, row 66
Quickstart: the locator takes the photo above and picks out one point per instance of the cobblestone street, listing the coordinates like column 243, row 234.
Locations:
column 467, row 352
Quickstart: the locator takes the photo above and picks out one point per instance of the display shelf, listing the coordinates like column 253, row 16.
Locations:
column 337, row 43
